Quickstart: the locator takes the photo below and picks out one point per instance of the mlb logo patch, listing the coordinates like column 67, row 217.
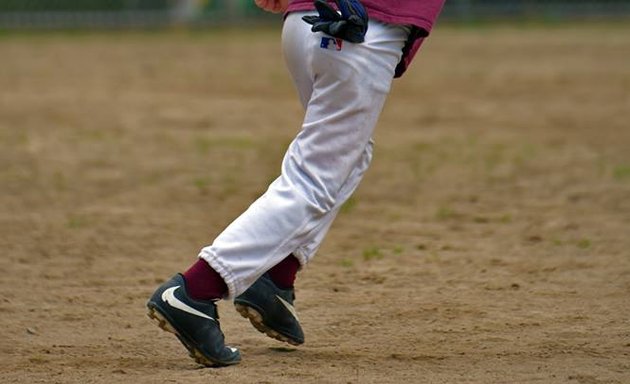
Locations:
column 331, row 43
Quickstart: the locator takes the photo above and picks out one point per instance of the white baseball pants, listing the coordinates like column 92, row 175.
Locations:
column 343, row 88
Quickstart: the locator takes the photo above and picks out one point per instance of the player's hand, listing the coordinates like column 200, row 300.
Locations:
column 273, row 6
column 351, row 25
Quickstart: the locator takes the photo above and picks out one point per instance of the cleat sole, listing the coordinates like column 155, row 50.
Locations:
column 256, row 319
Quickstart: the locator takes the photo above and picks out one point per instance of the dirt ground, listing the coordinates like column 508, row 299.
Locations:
column 488, row 243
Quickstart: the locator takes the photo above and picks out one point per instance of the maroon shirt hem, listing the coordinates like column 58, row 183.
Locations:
column 422, row 24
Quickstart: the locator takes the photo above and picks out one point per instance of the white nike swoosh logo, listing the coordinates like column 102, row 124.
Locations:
column 168, row 296
column 289, row 307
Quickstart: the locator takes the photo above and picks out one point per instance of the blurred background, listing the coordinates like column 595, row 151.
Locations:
column 156, row 13
column 489, row 242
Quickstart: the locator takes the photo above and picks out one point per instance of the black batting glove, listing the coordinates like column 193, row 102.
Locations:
column 351, row 25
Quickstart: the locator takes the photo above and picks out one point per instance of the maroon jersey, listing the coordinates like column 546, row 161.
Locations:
column 420, row 14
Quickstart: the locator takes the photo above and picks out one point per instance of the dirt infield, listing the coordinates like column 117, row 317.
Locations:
column 489, row 242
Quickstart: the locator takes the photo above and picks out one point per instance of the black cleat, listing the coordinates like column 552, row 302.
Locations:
column 195, row 323
column 270, row 310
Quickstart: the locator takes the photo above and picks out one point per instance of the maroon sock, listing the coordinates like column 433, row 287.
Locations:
column 204, row 283
column 283, row 274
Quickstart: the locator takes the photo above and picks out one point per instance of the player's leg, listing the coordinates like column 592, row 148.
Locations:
column 318, row 86
column 349, row 88
column 346, row 93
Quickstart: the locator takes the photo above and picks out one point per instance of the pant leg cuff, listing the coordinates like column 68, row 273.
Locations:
column 301, row 257
column 222, row 270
